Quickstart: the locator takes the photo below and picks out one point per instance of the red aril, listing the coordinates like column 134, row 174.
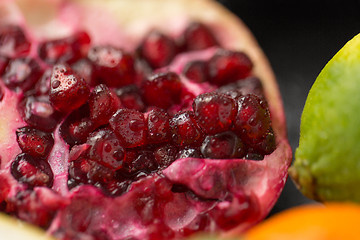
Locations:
column 141, row 150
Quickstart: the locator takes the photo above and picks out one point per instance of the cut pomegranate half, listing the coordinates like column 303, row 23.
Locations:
column 110, row 138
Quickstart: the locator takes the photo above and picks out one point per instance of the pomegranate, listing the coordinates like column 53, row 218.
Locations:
column 136, row 119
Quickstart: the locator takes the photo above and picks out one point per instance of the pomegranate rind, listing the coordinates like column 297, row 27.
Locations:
column 126, row 23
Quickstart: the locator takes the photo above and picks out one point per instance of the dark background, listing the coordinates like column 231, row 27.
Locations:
column 299, row 38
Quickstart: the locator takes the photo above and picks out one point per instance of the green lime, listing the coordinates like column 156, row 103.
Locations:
column 327, row 161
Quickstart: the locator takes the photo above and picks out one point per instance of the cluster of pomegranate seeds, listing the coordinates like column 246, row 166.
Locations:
column 125, row 116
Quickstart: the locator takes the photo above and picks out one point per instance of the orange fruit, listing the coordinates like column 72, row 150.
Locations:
column 332, row 221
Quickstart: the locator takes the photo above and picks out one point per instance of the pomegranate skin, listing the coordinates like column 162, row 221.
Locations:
column 88, row 212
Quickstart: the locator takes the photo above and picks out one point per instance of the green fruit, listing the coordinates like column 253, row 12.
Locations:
column 327, row 161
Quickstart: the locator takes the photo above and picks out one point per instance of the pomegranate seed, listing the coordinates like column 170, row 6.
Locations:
column 197, row 36
column 189, row 153
column 139, row 163
column 65, row 50
column 185, row 130
column 223, row 146
column 85, row 69
column 3, row 63
column 112, row 66
column 32, row 171
column 77, row 126
column 39, row 113
column 253, row 119
column 250, row 85
column 34, row 142
column 115, row 188
column 130, row 127
column 214, row 112
column 229, row 66
column 266, row 145
column 130, row 97
column 158, row 126
column 106, row 149
column 42, row 86
column 13, row 42
column 78, row 170
column 196, row 71
column 103, row 103
column 22, row 74
column 165, row 155
column 162, row 90
column 68, row 91
column 157, row 49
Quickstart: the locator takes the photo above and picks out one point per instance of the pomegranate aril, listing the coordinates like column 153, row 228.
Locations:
column 165, row 155
column 68, row 90
column 197, row 36
column 34, row 142
column 252, row 121
column 189, row 152
column 162, row 90
column 85, row 69
column 138, row 163
column 157, row 49
column 250, row 85
column 77, row 126
column 228, row 66
column 112, row 66
column 223, row 146
column 39, row 113
column 32, row 171
column 13, row 42
column 103, row 103
column 130, row 97
column 266, row 145
column 78, row 172
column 158, row 126
column 3, row 63
column 42, row 86
column 22, row 74
column 105, row 148
column 196, row 71
column 185, row 130
column 65, row 50
column 214, row 112
column 130, row 127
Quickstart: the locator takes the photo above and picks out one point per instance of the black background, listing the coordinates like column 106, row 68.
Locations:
column 299, row 38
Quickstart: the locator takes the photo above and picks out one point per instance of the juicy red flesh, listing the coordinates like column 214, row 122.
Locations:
column 253, row 118
column 13, row 42
column 22, row 74
column 162, row 90
column 130, row 127
column 158, row 126
column 228, row 66
column 130, row 97
column 32, row 171
column 196, row 71
column 103, row 103
column 39, row 113
column 34, row 142
column 157, row 49
column 112, row 66
column 67, row 86
column 198, row 37
column 215, row 112
column 185, row 129
column 223, row 145
column 105, row 148
column 67, row 50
